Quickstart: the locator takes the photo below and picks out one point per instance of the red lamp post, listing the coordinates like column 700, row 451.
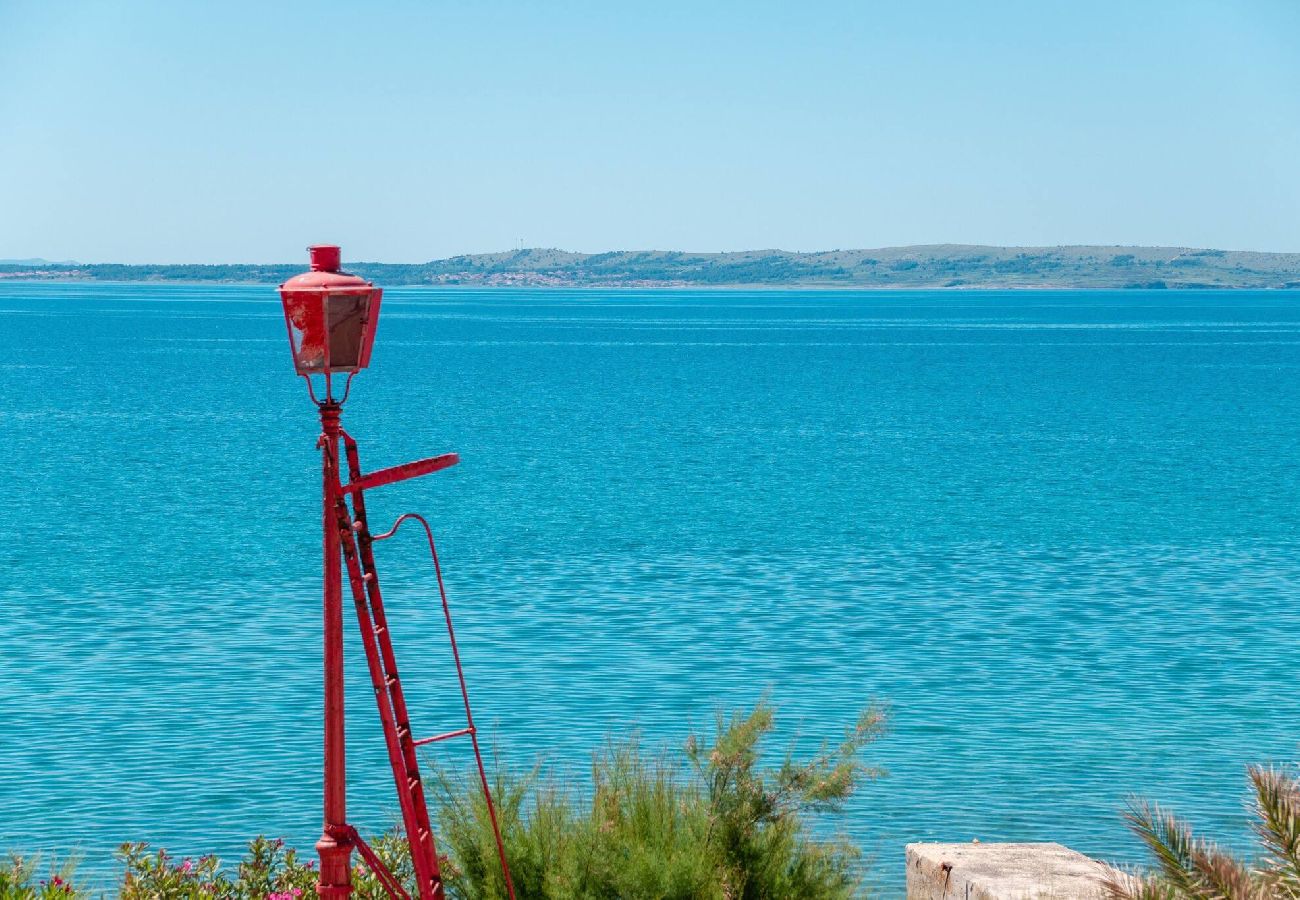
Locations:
column 331, row 317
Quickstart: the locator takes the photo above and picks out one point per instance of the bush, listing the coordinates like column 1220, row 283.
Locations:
column 709, row 824
column 19, row 880
column 269, row 870
column 1189, row 868
column 712, row 826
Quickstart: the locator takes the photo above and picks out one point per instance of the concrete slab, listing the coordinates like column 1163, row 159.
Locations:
column 1003, row 872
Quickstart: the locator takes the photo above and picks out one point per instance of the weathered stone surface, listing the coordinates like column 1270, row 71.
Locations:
column 1002, row 872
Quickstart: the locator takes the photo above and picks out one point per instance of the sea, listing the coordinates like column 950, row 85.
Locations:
column 1055, row 532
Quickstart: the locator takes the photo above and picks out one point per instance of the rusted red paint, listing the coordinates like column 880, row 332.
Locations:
column 331, row 316
column 333, row 847
column 381, row 477
column 348, row 547
column 374, row 863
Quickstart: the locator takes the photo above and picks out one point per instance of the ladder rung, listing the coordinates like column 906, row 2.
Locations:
column 442, row 737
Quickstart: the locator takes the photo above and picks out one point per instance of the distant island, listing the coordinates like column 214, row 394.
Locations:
column 921, row 266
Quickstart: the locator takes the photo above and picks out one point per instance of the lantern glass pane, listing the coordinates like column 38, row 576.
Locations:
column 347, row 319
column 306, row 316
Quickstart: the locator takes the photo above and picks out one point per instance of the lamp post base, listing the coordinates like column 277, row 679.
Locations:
column 335, row 866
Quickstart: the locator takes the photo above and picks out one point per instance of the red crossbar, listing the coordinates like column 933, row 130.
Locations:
column 459, row 732
column 400, row 473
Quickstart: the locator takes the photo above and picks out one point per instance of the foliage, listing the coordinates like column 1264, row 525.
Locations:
column 269, row 870
column 719, row 827
column 709, row 824
column 1192, row 869
column 19, row 879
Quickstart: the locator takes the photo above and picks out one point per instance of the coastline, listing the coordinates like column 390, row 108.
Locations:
column 650, row 287
column 939, row 267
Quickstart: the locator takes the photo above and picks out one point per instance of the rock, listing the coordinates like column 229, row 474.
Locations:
column 979, row 871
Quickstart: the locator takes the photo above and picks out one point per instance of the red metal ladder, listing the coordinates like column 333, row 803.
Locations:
column 358, row 556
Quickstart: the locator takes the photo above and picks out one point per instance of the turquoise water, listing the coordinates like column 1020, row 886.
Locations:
column 1058, row 531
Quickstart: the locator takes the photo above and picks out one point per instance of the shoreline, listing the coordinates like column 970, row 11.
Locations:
column 929, row 267
column 809, row 287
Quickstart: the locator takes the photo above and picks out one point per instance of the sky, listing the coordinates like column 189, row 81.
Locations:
column 188, row 131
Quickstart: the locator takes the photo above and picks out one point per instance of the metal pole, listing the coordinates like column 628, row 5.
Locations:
column 335, row 845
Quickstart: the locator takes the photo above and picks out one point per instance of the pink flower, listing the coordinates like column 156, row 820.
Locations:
column 186, row 866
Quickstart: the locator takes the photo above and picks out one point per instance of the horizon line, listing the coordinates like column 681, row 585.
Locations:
column 43, row 262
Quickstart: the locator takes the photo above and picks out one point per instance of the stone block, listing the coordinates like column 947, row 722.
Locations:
column 979, row 871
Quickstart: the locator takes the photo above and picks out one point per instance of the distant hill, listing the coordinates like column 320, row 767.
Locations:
column 922, row 266
column 36, row 261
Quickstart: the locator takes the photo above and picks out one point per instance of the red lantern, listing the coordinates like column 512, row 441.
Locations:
column 331, row 316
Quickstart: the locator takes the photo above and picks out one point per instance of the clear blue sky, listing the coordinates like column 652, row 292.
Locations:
column 188, row 131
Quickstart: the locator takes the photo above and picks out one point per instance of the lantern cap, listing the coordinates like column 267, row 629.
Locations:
column 325, row 257
column 326, row 273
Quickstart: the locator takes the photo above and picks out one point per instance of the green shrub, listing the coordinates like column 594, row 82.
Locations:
column 714, row 825
column 269, row 870
column 1191, row 869
column 709, row 824
column 19, row 879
